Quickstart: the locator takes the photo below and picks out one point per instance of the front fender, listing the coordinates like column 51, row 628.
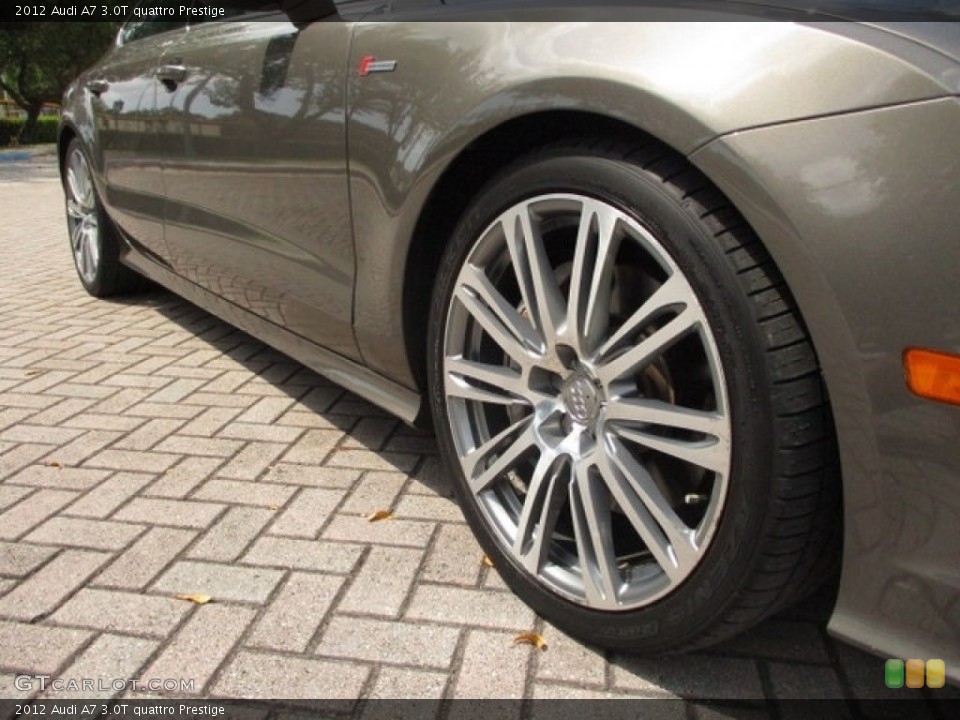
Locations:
column 683, row 83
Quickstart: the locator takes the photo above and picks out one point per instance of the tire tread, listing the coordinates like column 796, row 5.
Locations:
column 800, row 546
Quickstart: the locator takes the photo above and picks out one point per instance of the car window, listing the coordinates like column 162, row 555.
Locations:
column 230, row 9
column 148, row 19
column 140, row 29
column 308, row 9
column 148, row 15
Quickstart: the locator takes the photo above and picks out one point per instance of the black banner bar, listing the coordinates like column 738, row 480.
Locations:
column 193, row 11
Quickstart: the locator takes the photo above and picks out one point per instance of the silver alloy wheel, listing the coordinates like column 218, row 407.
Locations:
column 586, row 401
column 82, row 217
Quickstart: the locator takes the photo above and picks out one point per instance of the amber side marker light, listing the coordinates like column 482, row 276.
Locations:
column 933, row 375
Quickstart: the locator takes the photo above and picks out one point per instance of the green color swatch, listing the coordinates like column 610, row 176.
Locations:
column 893, row 673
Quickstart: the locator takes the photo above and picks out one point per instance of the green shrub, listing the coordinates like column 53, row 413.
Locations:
column 9, row 127
column 45, row 131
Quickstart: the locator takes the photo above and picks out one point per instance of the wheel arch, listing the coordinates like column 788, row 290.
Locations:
column 65, row 135
column 476, row 165
column 465, row 175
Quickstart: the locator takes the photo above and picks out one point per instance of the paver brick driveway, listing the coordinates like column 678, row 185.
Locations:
column 148, row 450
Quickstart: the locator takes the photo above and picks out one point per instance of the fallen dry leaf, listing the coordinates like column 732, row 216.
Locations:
column 531, row 638
column 487, row 561
column 195, row 599
column 379, row 515
column 54, row 463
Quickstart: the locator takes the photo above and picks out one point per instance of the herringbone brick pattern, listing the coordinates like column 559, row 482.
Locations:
column 149, row 450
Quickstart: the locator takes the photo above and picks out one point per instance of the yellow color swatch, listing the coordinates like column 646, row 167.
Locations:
column 914, row 673
column 936, row 673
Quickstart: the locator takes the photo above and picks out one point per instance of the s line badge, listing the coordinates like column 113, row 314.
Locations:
column 369, row 64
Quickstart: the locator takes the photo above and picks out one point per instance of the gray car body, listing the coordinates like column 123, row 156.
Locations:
column 307, row 204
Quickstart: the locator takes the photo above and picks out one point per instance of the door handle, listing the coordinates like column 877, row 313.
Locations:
column 98, row 87
column 171, row 75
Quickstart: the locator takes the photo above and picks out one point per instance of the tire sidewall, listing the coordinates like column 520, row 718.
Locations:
column 708, row 591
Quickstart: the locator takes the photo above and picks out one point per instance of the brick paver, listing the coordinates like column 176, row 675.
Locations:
column 148, row 449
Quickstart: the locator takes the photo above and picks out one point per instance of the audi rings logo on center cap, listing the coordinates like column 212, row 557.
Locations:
column 581, row 398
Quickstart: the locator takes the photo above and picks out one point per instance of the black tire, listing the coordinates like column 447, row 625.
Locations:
column 777, row 535
column 98, row 264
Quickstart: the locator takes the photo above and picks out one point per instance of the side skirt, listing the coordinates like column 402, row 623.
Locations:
column 401, row 401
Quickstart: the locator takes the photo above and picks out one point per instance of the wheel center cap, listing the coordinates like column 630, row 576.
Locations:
column 581, row 397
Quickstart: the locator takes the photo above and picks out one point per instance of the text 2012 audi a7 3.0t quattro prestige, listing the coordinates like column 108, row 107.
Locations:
column 681, row 299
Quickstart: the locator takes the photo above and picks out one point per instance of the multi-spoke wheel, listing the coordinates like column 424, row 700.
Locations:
column 604, row 386
column 92, row 237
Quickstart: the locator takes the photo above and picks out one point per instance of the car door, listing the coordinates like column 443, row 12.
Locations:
column 124, row 92
column 255, row 166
